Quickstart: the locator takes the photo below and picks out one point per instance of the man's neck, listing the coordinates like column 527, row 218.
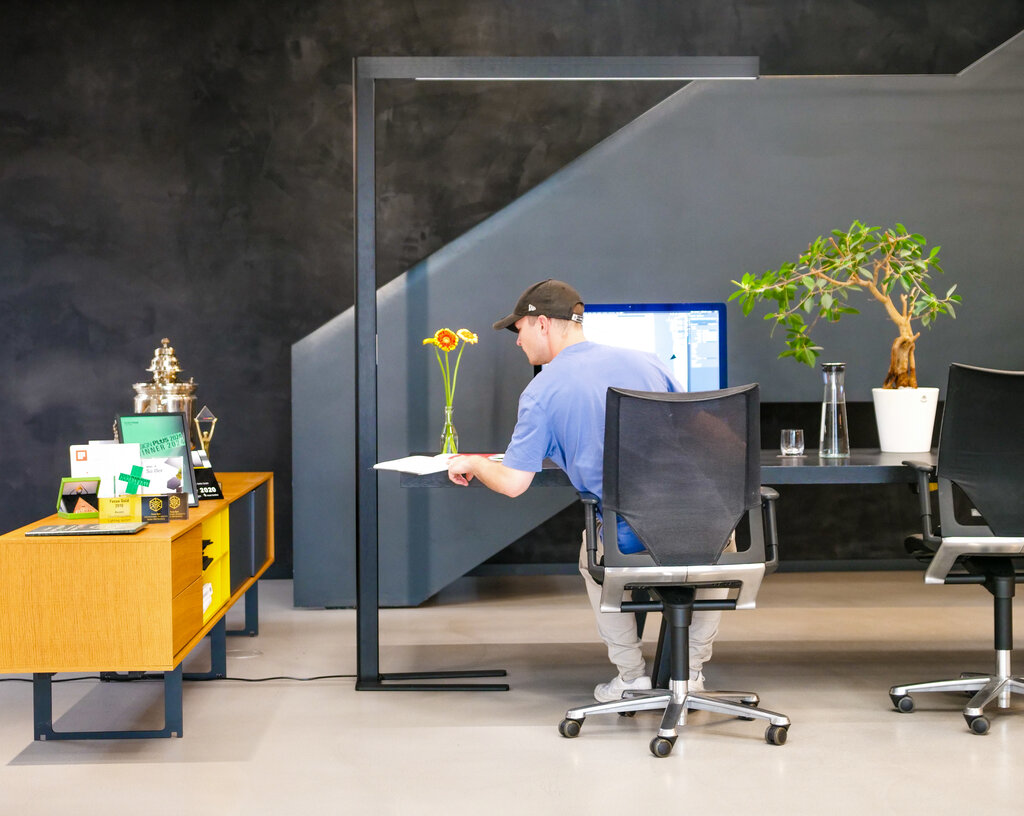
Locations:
column 571, row 338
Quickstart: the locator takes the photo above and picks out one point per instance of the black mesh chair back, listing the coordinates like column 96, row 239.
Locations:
column 981, row 453
column 681, row 469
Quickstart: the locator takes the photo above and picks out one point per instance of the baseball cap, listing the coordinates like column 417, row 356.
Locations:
column 553, row 298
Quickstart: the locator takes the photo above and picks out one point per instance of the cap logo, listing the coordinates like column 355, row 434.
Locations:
column 531, row 308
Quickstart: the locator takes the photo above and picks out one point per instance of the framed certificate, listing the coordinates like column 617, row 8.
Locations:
column 163, row 441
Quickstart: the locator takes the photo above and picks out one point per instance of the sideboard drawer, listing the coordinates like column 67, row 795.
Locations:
column 186, row 559
column 187, row 613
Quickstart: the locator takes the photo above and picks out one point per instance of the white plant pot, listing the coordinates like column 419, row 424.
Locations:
column 905, row 418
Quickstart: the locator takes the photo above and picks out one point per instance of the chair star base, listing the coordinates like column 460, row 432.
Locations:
column 987, row 688
column 676, row 702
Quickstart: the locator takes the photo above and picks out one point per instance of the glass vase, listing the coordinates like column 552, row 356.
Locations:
column 449, row 436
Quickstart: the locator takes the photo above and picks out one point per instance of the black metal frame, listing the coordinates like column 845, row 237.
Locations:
column 365, row 73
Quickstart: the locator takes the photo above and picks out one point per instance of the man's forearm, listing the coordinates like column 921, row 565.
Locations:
column 494, row 475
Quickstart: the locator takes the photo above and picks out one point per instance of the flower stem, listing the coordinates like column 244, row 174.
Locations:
column 444, row 375
column 455, row 376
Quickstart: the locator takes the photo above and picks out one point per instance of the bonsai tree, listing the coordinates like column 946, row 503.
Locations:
column 889, row 265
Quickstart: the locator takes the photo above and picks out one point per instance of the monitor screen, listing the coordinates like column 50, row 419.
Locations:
column 688, row 337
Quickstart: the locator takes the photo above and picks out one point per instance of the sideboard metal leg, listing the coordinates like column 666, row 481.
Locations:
column 252, row 613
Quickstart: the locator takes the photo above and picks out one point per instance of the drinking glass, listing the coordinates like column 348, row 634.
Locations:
column 791, row 442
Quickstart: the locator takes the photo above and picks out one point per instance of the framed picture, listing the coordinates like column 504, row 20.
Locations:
column 166, row 452
column 78, row 498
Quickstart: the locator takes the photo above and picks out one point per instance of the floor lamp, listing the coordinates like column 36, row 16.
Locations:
column 366, row 72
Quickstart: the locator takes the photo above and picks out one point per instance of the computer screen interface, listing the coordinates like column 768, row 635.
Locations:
column 688, row 337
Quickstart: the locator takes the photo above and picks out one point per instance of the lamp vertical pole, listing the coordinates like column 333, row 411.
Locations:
column 365, row 247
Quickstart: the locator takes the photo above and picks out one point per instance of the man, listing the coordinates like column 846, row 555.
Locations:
column 561, row 417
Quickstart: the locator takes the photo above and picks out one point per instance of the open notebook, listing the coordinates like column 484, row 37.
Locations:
column 420, row 465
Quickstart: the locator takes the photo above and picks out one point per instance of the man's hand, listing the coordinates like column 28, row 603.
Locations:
column 463, row 469
column 460, row 469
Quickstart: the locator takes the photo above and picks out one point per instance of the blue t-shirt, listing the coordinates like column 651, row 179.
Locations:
column 561, row 414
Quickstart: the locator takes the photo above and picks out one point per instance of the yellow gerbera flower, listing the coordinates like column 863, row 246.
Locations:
column 446, row 339
column 467, row 336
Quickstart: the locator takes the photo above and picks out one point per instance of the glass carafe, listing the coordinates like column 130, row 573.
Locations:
column 835, row 438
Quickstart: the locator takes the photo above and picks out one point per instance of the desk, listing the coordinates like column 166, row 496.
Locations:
column 133, row 603
column 863, row 466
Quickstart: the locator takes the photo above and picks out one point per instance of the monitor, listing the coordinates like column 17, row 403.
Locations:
column 688, row 337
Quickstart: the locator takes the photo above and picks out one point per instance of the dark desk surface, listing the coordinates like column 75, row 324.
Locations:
column 863, row 466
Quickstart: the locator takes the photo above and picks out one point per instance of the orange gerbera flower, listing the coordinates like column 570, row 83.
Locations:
column 446, row 339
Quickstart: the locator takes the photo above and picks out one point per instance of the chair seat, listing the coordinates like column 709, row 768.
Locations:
column 747, row 577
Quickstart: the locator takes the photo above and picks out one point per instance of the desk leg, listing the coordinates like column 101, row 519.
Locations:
column 252, row 613
column 368, row 677
column 399, row 681
column 42, row 709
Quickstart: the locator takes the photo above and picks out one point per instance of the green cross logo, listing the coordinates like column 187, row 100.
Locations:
column 134, row 480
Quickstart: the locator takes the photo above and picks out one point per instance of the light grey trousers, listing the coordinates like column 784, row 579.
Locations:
column 618, row 629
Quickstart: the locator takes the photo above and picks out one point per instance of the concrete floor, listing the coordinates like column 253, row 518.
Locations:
column 822, row 648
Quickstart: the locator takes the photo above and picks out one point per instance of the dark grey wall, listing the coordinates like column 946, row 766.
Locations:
column 184, row 170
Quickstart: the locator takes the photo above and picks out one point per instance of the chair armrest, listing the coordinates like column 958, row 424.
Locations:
column 771, row 535
column 590, row 503
column 920, row 467
column 925, row 474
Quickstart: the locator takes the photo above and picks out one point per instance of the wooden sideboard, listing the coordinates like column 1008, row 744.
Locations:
column 132, row 603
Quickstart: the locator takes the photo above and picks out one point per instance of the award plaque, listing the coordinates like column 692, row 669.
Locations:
column 163, row 439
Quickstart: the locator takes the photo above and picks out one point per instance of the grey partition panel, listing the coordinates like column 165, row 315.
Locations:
column 428, row 538
column 718, row 180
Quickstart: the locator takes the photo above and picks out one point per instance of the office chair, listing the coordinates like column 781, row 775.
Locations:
column 682, row 470
column 980, row 479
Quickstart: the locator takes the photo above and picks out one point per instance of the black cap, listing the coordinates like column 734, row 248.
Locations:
column 552, row 298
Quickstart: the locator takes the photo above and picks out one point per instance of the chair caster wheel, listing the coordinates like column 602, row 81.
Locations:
column 662, row 746
column 776, row 734
column 570, row 728
column 904, row 704
column 978, row 725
